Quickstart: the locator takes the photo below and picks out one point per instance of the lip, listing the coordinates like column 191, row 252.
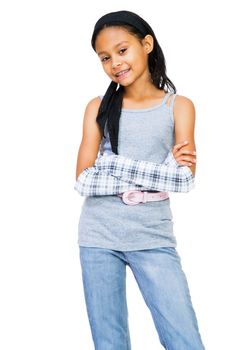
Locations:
column 122, row 74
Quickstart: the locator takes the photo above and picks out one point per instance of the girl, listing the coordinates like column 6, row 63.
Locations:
column 127, row 156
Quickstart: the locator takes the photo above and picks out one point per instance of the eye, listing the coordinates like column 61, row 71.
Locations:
column 104, row 59
column 121, row 51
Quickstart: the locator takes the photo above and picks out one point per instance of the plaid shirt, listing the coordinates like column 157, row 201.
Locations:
column 115, row 174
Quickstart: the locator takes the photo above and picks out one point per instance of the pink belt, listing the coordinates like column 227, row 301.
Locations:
column 136, row 197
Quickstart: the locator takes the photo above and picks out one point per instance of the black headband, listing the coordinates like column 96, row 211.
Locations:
column 121, row 17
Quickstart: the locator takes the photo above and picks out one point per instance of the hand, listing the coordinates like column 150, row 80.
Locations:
column 183, row 156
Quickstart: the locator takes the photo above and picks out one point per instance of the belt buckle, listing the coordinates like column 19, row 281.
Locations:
column 127, row 200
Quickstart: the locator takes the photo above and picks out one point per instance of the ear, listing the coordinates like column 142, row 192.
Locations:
column 148, row 43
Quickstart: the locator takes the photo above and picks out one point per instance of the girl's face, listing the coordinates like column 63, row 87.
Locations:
column 124, row 57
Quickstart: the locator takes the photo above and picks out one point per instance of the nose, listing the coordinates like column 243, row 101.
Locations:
column 116, row 63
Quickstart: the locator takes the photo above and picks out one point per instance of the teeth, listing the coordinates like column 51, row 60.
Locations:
column 120, row 73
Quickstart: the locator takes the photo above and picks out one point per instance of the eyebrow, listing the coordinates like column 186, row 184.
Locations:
column 120, row 43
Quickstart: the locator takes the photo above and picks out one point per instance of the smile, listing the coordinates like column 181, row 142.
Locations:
column 122, row 74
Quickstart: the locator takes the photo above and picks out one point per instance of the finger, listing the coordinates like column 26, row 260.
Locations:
column 180, row 145
column 187, row 151
column 182, row 153
column 186, row 159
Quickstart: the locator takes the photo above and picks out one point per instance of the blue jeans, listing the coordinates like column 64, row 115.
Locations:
column 164, row 288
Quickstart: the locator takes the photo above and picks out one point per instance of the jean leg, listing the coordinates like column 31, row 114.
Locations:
column 164, row 287
column 104, row 283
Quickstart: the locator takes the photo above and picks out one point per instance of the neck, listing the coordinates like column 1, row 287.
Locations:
column 141, row 88
column 141, row 91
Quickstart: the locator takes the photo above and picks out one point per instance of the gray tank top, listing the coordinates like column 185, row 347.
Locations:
column 106, row 221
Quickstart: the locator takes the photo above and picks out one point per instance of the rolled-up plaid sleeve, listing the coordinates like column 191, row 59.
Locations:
column 93, row 182
column 115, row 174
column 167, row 176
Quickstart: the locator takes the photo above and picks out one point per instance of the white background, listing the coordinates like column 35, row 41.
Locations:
column 48, row 74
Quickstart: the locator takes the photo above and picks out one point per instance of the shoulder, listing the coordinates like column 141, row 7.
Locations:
column 91, row 113
column 90, row 126
column 93, row 105
column 184, row 108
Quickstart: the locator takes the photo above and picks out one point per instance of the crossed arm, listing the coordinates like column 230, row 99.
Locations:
column 115, row 174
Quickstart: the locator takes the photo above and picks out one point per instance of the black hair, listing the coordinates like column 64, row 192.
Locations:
column 111, row 104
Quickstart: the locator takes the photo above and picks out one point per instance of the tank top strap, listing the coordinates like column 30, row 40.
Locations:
column 171, row 106
column 165, row 99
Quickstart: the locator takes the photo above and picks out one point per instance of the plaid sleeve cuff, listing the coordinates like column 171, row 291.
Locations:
column 92, row 182
column 170, row 160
